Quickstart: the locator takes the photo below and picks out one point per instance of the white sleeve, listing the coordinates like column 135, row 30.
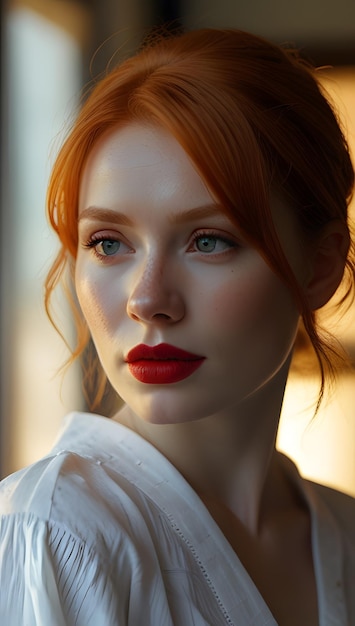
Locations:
column 49, row 576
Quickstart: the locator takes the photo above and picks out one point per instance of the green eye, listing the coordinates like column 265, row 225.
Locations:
column 106, row 247
column 212, row 243
column 206, row 243
column 109, row 246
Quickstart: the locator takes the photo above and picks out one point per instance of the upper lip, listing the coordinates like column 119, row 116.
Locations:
column 161, row 352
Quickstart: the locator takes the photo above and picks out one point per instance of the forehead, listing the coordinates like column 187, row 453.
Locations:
column 144, row 166
column 140, row 162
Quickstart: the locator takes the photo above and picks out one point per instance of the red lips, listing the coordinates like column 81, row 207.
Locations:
column 161, row 364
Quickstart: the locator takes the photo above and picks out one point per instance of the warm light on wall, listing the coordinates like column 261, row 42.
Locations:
column 44, row 65
column 324, row 447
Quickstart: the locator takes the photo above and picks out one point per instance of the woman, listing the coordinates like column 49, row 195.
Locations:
column 201, row 203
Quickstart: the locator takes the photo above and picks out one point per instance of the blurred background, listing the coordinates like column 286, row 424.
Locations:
column 50, row 50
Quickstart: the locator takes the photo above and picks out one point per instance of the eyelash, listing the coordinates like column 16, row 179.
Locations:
column 95, row 240
column 211, row 234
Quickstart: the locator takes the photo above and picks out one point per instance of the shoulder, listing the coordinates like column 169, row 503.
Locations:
column 101, row 482
column 85, row 495
column 88, row 513
column 32, row 488
column 81, row 515
column 326, row 504
column 65, row 575
column 76, row 468
column 340, row 505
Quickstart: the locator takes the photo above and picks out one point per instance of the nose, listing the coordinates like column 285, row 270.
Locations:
column 155, row 294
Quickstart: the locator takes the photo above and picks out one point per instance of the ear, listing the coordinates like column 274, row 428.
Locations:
column 327, row 264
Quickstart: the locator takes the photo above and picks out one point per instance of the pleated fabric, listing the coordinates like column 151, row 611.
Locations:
column 104, row 531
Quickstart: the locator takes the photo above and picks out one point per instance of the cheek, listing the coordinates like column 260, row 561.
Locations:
column 96, row 302
column 239, row 296
column 256, row 309
column 272, row 322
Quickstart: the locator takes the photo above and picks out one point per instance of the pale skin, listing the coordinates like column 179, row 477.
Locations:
column 159, row 262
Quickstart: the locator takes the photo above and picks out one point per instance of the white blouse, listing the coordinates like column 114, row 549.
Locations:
column 104, row 531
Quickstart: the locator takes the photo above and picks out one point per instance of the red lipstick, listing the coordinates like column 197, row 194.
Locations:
column 161, row 364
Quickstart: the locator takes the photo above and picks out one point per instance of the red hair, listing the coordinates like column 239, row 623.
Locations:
column 252, row 117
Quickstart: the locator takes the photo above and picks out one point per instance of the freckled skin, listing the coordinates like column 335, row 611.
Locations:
column 217, row 426
column 229, row 307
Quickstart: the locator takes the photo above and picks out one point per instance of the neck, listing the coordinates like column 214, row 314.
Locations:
column 228, row 458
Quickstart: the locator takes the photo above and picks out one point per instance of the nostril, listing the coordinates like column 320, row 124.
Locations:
column 162, row 316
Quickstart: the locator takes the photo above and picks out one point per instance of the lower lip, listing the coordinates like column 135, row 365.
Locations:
column 163, row 372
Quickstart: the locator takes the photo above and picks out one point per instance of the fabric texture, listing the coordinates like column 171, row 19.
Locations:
column 104, row 531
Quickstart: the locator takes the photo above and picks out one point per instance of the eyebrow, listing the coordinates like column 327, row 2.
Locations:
column 105, row 215
column 206, row 210
column 115, row 217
